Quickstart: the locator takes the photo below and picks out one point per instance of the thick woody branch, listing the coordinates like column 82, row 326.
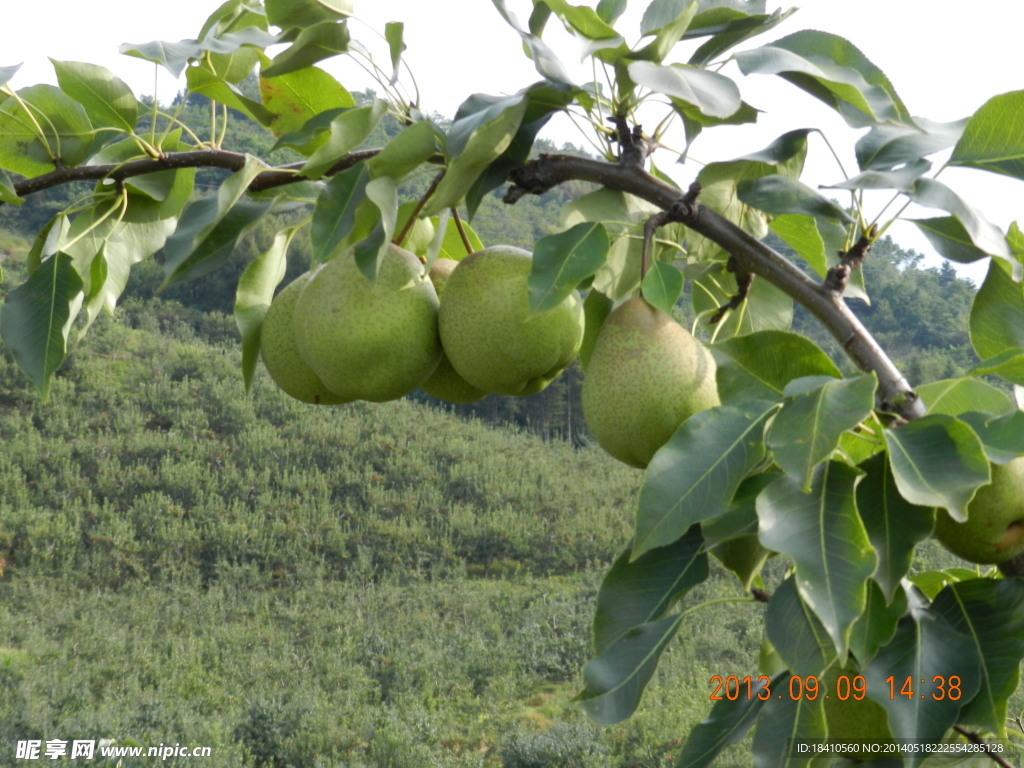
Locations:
column 752, row 255
column 199, row 158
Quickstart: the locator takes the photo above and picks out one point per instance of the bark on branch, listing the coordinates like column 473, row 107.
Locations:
column 753, row 256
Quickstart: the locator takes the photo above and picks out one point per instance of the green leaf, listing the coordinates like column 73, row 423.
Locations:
column 823, row 534
column 667, row 21
column 636, row 592
column 561, row 262
column 615, row 680
column 7, row 192
column 833, row 70
column 948, row 236
column 452, row 246
column 662, row 286
column 348, row 130
column 36, row 318
column 807, row 429
column 173, row 57
column 778, row 195
column 303, row 13
column 877, row 625
column 383, row 193
column 766, row 307
column 335, row 214
column 886, row 147
column 6, row 73
column 760, row 365
column 204, row 82
column 255, row 291
column 901, row 179
column 733, row 32
column 314, row 43
column 983, row 234
column 801, row 233
column 297, row 97
column 796, row 632
column 783, row 720
column 406, row 152
column 893, row 524
column 610, row 10
column 925, row 645
column 474, row 142
column 937, row 461
column 107, row 99
column 997, row 315
column 201, row 218
column 727, row 723
column 787, row 153
column 955, row 396
column 713, row 94
column 990, row 614
column 393, row 33
column 581, row 19
column 1002, row 437
column 994, row 137
column 694, row 476
column 66, row 131
column 313, row 133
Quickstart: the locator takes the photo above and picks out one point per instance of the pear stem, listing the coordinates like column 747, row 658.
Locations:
column 416, row 211
column 462, row 231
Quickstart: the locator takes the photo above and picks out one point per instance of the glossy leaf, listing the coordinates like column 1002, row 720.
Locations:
column 662, row 286
column 937, row 461
column 955, row 396
column 8, row 194
column 990, row 614
column 736, row 31
column 582, row 20
column 807, row 429
column 727, row 723
column 614, row 681
column 174, row 57
column 314, row 43
column 992, row 140
column 636, row 592
column 760, row 365
column 452, row 246
column 901, row 179
column 823, row 534
column 335, row 212
column 1002, row 437
column 894, row 525
column 407, row 151
column 925, row 645
column 106, row 98
column 740, row 519
column 766, row 308
column 36, row 318
column 798, row 635
column 833, row 70
column 348, row 130
column 783, row 720
column 255, row 291
column 204, row 82
column 886, row 147
column 6, row 73
column 561, row 262
column 693, row 477
column 383, row 193
column 297, row 97
column 997, row 315
column 666, row 21
column 713, row 94
column 394, row 32
column 779, row 195
column 304, row 13
column 983, row 234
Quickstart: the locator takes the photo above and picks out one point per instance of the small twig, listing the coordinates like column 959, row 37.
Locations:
column 744, row 280
column 675, row 212
column 631, row 143
column 974, row 738
column 850, row 260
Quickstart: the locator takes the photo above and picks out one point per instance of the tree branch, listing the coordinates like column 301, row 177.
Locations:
column 200, row 158
column 826, row 304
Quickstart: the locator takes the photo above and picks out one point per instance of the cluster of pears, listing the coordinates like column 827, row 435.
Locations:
column 334, row 336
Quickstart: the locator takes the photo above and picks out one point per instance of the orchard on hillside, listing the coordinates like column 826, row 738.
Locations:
column 754, row 443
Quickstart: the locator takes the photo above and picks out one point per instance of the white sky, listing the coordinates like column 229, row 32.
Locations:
column 945, row 58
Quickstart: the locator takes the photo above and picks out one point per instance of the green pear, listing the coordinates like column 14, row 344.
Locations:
column 280, row 352
column 489, row 334
column 368, row 340
column 994, row 530
column 445, row 383
column 646, row 376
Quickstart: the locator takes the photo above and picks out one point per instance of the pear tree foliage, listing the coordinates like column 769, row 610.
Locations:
column 841, row 477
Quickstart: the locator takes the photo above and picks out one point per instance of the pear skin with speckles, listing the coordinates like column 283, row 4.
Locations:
column 994, row 530
column 646, row 376
column 366, row 340
column 489, row 334
column 280, row 352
